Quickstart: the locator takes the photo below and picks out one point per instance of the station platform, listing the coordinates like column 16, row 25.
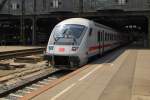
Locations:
column 16, row 48
column 122, row 75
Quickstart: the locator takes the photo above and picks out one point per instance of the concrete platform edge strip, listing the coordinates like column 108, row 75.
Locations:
column 52, row 84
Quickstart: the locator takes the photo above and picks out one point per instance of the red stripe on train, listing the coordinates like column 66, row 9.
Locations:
column 95, row 48
column 98, row 47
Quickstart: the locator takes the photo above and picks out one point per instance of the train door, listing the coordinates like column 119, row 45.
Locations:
column 99, row 42
column 91, row 43
column 102, row 41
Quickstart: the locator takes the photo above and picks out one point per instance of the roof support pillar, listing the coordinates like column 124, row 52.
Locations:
column 34, row 21
column 148, row 37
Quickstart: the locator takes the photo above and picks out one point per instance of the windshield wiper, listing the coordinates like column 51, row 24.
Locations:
column 58, row 37
column 75, row 41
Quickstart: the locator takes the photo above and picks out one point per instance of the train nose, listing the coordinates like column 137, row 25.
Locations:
column 69, row 61
column 74, row 61
column 61, row 50
column 64, row 50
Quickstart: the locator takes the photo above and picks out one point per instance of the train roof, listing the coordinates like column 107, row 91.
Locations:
column 81, row 21
column 85, row 22
column 103, row 26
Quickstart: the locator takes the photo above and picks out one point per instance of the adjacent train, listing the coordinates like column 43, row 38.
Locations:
column 74, row 41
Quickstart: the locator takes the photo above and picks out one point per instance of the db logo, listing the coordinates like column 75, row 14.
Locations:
column 61, row 49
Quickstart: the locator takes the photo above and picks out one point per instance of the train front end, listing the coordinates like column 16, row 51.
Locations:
column 64, row 49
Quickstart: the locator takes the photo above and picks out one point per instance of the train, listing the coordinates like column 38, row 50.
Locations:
column 73, row 42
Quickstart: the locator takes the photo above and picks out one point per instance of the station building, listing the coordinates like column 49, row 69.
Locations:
column 29, row 22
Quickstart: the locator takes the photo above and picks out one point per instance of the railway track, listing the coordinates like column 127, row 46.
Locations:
column 16, row 84
column 30, row 84
column 19, row 81
column 20, row 53
column 21, row 73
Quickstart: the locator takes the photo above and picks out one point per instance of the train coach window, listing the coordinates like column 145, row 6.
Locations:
column 114, row 37
column 90, row 32
column 98, row 37
column 105, row 36
column 110, row 36
column 101, row 35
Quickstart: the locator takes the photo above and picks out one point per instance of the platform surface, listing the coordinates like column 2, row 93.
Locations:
column 14, row 48
column 127, row 77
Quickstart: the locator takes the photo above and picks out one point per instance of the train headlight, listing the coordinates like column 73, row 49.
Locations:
column 51, row 47
column 75, row 48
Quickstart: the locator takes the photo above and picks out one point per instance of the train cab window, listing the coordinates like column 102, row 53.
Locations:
column 90, row 32
column 68, row 34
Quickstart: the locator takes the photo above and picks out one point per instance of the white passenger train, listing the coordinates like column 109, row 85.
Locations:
column 74, row 41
